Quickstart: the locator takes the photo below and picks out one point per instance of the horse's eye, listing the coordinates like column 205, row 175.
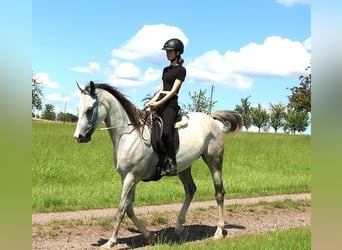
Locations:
column 89, row 112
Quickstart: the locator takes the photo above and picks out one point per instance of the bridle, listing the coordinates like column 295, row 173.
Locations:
column 96, row 114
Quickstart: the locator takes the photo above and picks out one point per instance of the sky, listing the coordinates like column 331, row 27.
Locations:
column 241, row 48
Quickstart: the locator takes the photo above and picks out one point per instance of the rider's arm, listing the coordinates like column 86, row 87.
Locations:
column 154, row 98
column 171, row 93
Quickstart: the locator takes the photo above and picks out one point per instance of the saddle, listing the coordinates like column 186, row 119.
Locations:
column 158, row 144
column 156, row 135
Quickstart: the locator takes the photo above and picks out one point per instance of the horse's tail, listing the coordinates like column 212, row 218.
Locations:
column 229, row 121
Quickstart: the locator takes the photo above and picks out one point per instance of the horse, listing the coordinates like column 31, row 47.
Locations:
column 135, row 159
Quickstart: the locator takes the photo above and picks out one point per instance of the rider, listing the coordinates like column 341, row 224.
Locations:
column 165, row 102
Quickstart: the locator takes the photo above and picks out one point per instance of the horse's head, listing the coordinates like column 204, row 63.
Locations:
column 88, row 113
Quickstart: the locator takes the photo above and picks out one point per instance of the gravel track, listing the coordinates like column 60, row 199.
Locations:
column 50, row 230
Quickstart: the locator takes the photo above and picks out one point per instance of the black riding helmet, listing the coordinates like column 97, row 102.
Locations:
column 174, row 44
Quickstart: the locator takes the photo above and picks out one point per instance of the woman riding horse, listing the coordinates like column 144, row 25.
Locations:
column 165, row 102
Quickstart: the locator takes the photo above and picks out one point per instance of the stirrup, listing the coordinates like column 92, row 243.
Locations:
column 169, row 170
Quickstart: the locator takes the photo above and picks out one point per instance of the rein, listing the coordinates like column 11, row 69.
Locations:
column 122, row 126
column 130, row 124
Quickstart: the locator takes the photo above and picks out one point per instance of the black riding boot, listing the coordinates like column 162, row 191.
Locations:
column 171, row 166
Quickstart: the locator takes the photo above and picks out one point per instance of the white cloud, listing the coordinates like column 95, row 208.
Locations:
column 127, row 74
column 145, row 46
column 213, row 68
column 127, row 71
column 124, row 74
column 114, row 62
column 276, row 57
column 152, row 75
column 43, row 78
column 92, row 68
column 307, row 43
column 147, row 43
column 290, row 3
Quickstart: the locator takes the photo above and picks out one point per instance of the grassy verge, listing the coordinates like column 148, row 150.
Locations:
column 297, row 238
column 71, row 176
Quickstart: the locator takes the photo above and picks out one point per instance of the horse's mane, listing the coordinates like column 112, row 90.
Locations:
column 135, row 115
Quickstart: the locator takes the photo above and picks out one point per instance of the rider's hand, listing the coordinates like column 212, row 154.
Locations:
column 153, row 105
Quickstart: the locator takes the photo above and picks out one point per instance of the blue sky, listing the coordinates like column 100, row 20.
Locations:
column 242, row 48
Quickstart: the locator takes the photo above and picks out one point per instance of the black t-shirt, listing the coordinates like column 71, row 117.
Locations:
column 170, row 74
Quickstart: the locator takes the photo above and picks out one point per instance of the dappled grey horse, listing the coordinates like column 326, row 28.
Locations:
column 135, row 159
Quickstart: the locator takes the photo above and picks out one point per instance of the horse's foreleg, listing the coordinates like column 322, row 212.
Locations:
column 141, row 227
column 190, row 189
column 125, row 202
column 119, row 214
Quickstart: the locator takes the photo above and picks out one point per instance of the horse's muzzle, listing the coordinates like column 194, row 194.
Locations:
column 87, row 137
column 82, row 139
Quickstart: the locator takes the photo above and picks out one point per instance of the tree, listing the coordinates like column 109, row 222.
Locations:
column 277, row 116
column 300, row 99
column 259, row 117
column 245, row 110
column 296, row 121
column 49, row 112
column 299, row 107
column 66, row 117
column 200, row 103
column 37, row 95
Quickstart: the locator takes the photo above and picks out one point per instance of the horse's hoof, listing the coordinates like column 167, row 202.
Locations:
column 179, row 230
column 150, row 238
column 104, row 246
column 107, row 245
column 218, row 236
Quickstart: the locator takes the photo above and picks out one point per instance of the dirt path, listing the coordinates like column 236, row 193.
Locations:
column 87, row 229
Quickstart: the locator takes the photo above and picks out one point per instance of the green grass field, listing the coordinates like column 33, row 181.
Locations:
column 292, row 239
column 71, row 176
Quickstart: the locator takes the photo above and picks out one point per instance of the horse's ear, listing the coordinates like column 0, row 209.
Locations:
column 79, row 87
column 92, row 88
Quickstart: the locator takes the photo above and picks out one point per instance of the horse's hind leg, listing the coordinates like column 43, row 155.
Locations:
column 215, row 165
column 190, row 189
column 219, row 194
